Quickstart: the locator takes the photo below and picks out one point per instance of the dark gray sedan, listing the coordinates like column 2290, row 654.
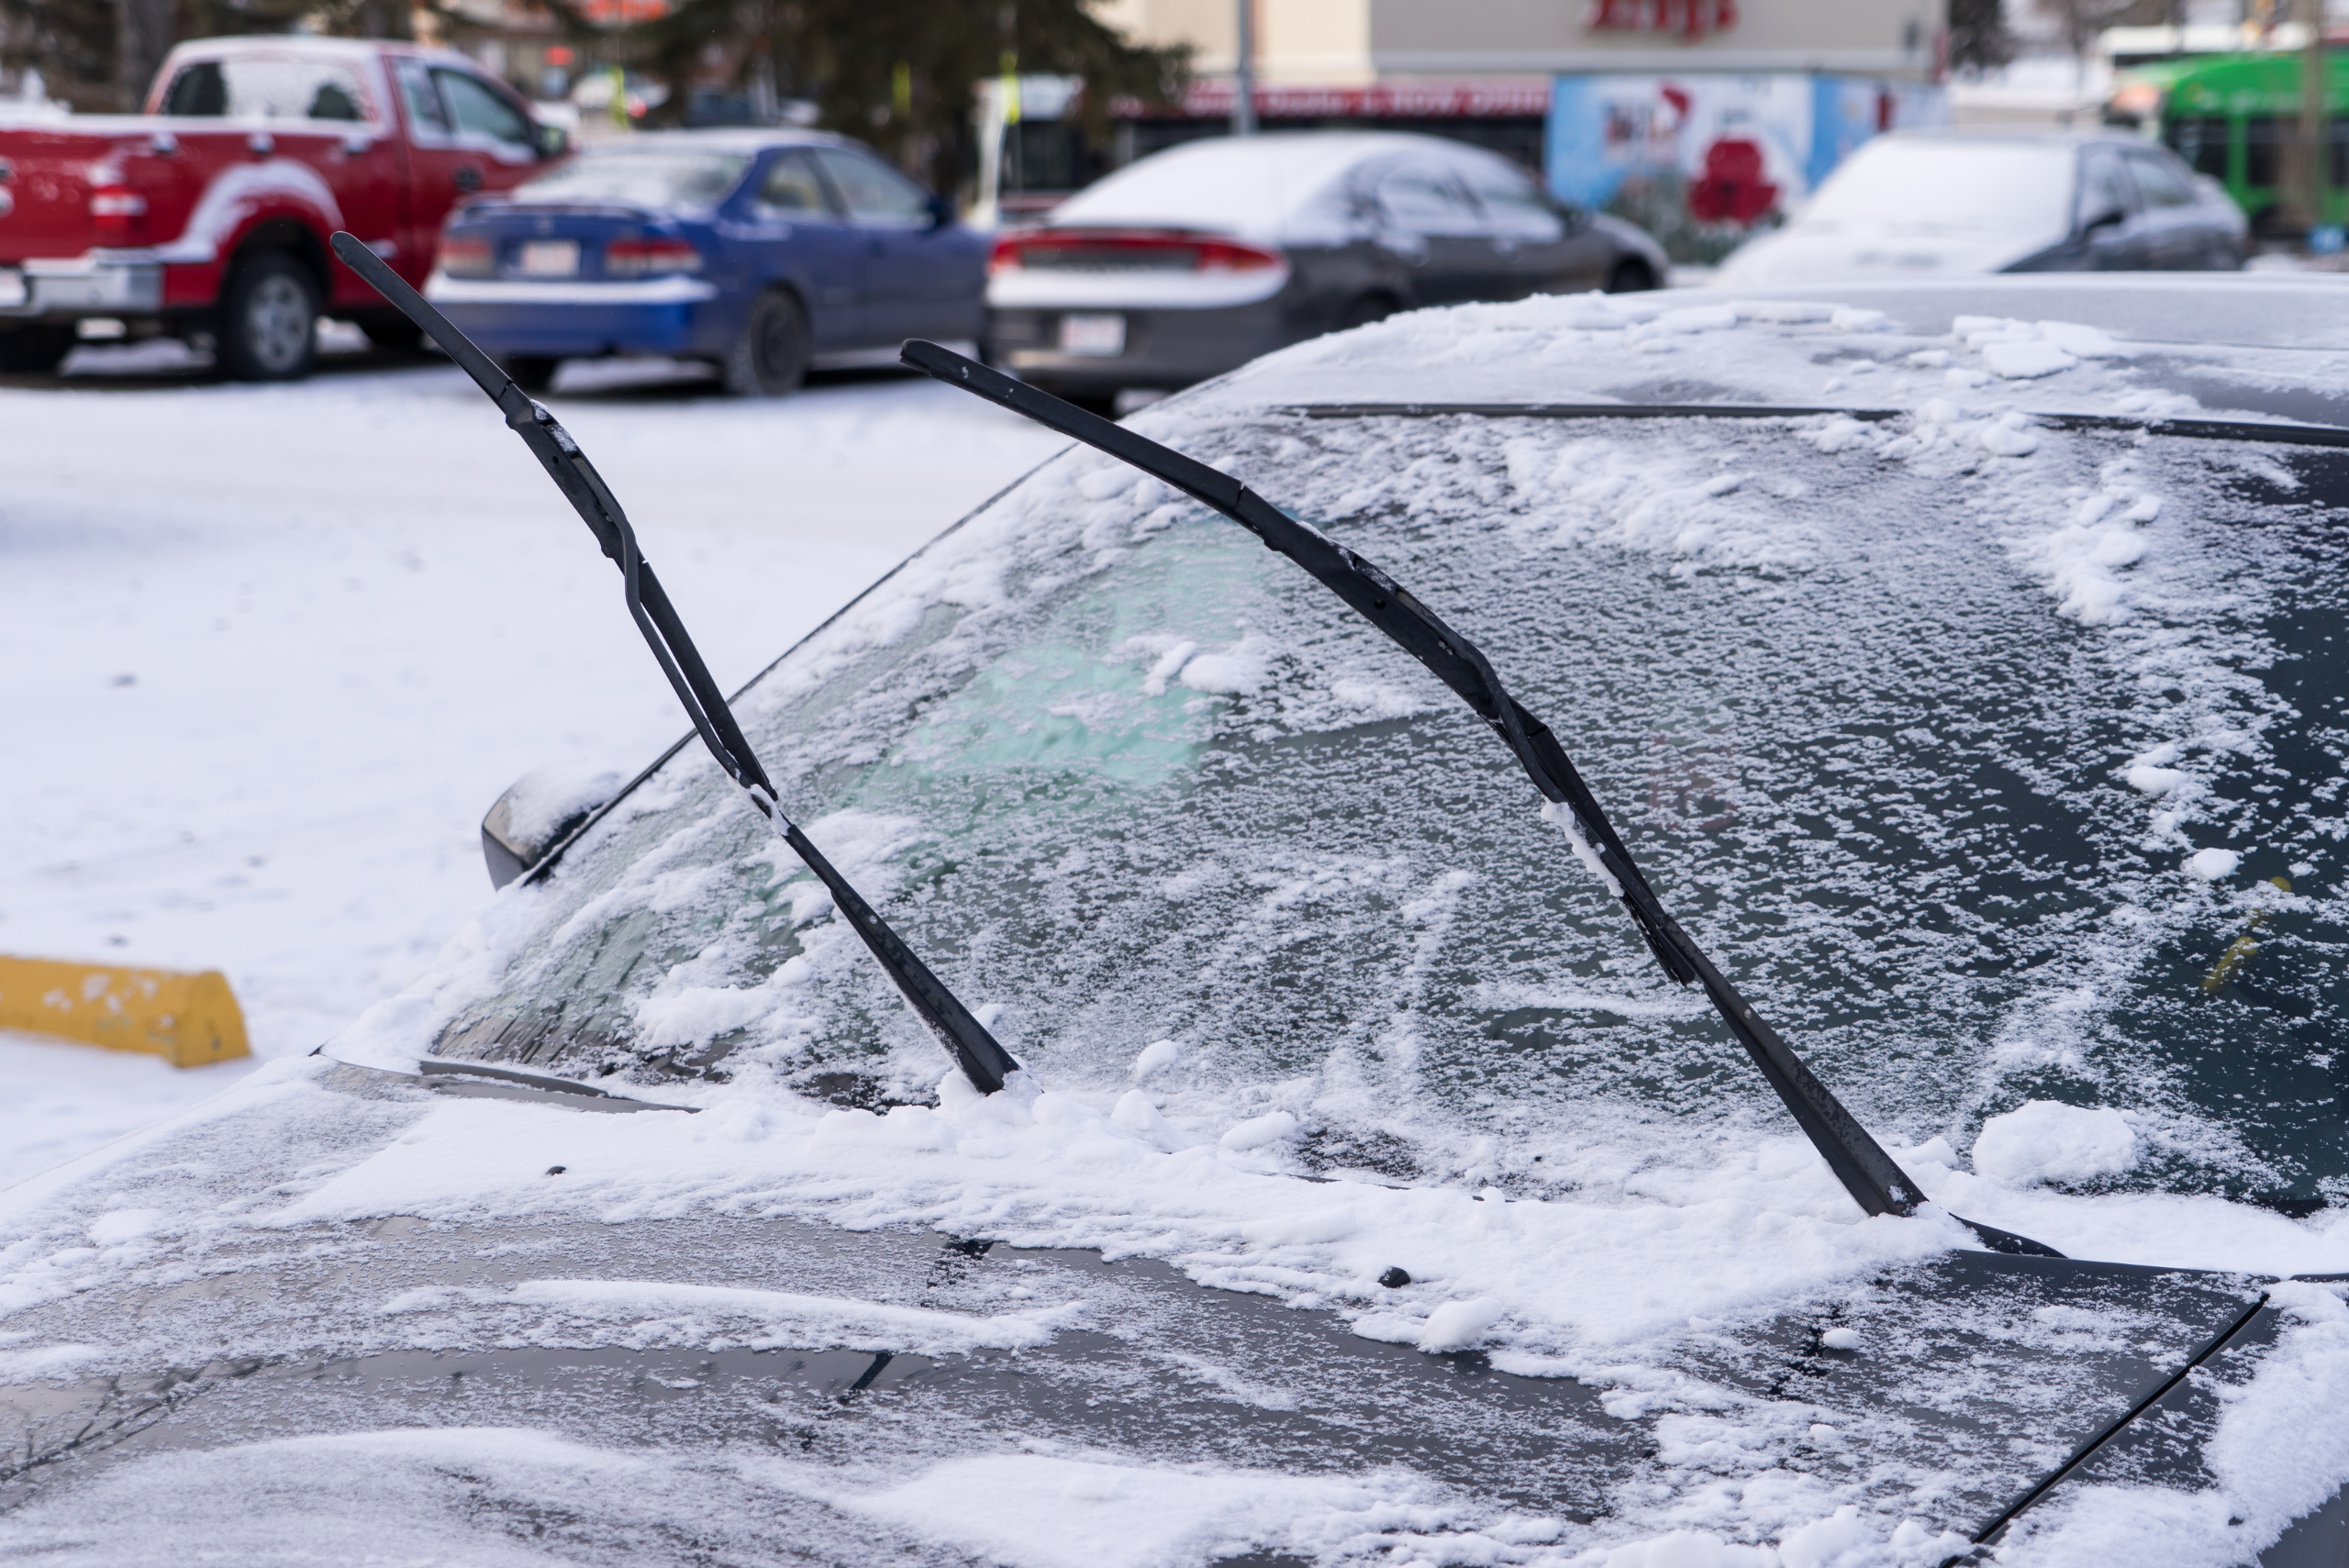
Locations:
column 1194, row 261
column 1920, row 205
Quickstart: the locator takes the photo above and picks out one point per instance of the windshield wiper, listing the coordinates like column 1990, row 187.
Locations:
column 983, row 1061
column 1867, row 1173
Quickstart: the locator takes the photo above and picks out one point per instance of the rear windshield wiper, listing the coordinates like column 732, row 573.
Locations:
column 1867, row 1173
column 983, row 1061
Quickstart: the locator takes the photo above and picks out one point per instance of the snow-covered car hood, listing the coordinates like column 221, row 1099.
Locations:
column 1799, row 255
column 1967, row 736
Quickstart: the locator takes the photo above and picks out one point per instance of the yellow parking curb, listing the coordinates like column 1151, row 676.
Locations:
column 190, row 1020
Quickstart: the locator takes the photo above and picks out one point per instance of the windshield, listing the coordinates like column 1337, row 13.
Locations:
column 1902, row 740
column 650, row 178
column 1934, row 184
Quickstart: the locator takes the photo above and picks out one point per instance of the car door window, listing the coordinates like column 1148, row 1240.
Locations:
column 790, row 188
column 2159, row 182
column 2104, row 188
column 479, row 112
column 1421, row 197
column 873, row 192
column 1513, row 206
column 428, row 120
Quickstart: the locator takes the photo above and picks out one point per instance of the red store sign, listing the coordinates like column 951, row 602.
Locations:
column 1686, row 19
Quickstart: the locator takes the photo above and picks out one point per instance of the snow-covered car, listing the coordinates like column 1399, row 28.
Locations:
column 1917, row 203
column 1197, row 260
column 1961, row 665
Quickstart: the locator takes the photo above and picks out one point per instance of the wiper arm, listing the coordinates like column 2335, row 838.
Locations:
column 1875, row 1183
column 983, row 1061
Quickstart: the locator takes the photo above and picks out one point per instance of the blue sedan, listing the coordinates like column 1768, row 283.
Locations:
column 761, row 251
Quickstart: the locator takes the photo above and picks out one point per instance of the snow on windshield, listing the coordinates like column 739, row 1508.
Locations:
column 1252, row 187
column 1929, row 184
column 649, row 178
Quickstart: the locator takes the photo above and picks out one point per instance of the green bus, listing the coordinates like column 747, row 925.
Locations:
column 2229, row 116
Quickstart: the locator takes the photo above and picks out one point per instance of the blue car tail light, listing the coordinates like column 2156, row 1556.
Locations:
column 467, row 256
column 654, row 253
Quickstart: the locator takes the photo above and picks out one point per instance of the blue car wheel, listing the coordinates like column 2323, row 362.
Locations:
column 770, row 359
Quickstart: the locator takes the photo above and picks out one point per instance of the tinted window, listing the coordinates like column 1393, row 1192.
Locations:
column 272, row 89
column 1513, row 206
column 2259, row 150
column 790, row 185
column 2160, row 182
column 873, row 192
column 652, row 177
column 1422, row 198
column 478, row 110
column 2201, row 141
column 2104, row 187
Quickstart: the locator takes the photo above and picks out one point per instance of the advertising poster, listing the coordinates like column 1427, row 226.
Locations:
column 1700, row 161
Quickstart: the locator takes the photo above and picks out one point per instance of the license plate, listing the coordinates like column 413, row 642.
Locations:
column 12, row 287
column 548, row 259
column 1098, row 335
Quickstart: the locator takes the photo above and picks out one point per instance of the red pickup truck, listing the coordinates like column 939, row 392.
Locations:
column 208, row 216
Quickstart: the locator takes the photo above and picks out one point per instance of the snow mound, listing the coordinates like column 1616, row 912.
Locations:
column 2047, row 1142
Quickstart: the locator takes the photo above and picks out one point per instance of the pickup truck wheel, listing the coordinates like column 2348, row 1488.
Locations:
column 36, row 347
column 268, row 320
column 771, row 357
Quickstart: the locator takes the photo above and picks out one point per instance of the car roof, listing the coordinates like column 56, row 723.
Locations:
column 1255, row 185
column 2001, row 136
column 2173, row 333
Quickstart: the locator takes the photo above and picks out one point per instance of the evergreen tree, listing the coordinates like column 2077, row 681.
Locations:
column 901, row 74
column 1978, row 38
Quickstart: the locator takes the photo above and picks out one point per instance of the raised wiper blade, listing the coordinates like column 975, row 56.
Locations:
column 983, row 1061
column 1867, row 1173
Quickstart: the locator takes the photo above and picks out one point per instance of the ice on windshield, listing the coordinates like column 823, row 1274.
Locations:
column 1927, row 733
column 1924, row 184
column 650, row 178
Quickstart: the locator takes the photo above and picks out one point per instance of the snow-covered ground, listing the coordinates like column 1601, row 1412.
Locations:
column 268, row 653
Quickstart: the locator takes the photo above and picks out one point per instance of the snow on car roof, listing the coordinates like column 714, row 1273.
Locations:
column 2186, row 344
column 1252, row 185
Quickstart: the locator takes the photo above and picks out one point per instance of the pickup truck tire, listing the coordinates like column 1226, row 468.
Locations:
column 268, row 320
column 771, row 357
column 36, row 347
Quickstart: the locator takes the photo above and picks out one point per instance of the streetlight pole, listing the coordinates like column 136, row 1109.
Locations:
column 1243, row 93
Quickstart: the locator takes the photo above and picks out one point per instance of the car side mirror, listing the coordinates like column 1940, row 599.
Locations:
column 941, row 212
column 2111, row 217
column 552, row 141
column 541, row 810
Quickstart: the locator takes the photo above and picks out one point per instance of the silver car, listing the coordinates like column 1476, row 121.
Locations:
column 1196, row 261
column 1920, row 205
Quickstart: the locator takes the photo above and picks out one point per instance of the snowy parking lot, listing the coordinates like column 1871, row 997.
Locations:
column 269, row 652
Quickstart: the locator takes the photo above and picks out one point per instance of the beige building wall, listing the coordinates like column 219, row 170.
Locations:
column 1345, row 42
